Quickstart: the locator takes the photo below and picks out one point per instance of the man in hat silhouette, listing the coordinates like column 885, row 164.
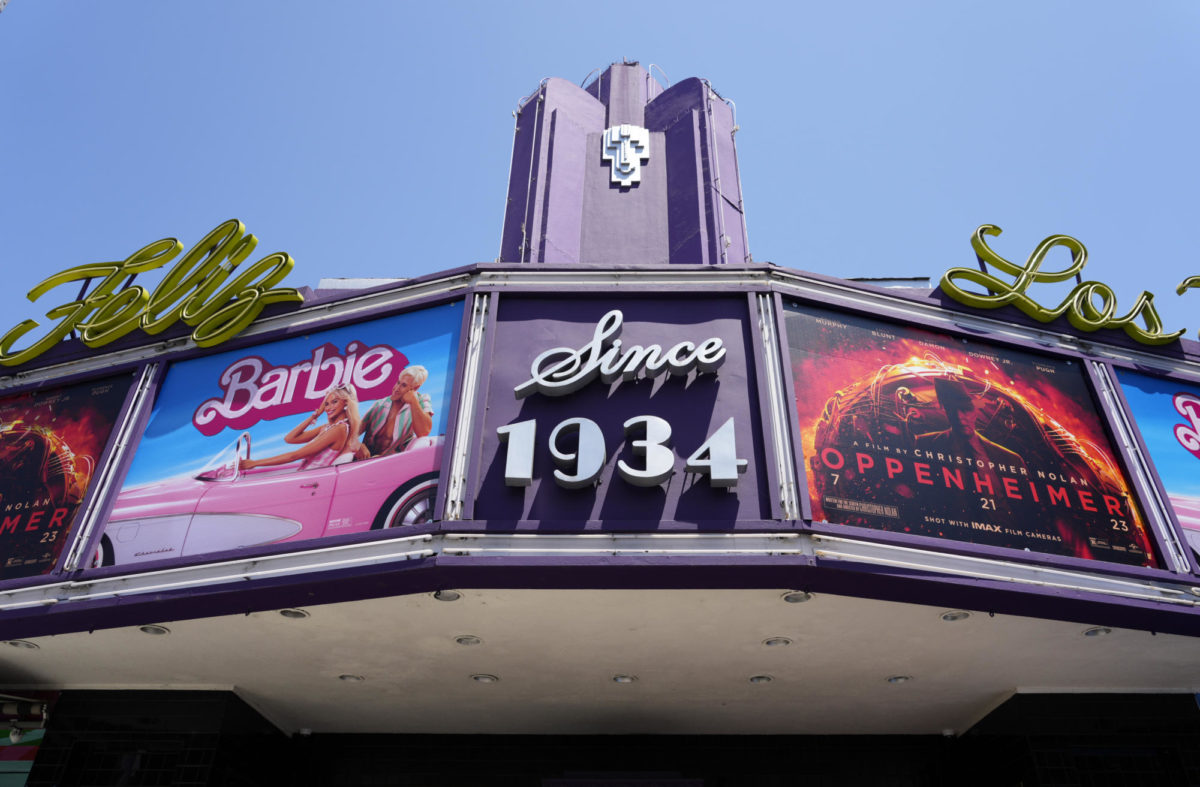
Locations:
column 962, row 438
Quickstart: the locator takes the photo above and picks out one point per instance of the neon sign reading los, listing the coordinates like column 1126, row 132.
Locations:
column 207, row 289
column 1090, row 306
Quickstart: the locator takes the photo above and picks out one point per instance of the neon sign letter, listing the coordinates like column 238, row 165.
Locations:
column 1088, row 307
column 206, row 289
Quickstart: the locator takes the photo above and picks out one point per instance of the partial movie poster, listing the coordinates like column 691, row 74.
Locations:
column 50, row 444
column 340, row 431
column 916, row 432
column 1167, row 414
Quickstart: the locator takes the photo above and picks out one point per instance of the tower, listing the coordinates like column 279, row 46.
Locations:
column 624, row 171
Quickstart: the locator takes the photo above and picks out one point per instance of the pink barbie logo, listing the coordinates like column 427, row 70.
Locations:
column 1188, row 434
column 254, row 390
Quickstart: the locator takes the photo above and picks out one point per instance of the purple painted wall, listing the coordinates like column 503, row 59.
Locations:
column 563, row 207
column 694, row 407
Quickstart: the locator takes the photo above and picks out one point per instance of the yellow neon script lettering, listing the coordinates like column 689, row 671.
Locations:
column 1187, row 284
column 191, row 291
column 1090, row 306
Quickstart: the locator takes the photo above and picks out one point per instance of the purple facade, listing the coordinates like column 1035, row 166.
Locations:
column 563, row 207
column 609, row 240
column 694, row 405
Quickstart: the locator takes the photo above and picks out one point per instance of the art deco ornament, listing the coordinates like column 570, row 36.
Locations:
column 626, row 147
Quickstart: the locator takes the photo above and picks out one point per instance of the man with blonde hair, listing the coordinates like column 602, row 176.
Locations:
column 393, row 423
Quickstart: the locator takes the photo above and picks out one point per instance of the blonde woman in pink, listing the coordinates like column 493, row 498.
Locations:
column 320, row 446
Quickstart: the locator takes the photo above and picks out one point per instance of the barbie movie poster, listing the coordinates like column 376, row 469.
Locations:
column 1167, row 414
column 911, row 431
column 50, row 444
column 336, row 432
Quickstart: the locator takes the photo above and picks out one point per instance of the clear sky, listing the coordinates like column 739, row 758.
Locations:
column 372, row 138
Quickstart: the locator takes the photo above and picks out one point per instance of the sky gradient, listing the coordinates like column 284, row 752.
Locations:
column 373, row 138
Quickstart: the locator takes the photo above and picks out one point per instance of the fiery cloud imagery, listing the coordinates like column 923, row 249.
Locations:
column 50, row 444
column 907, row 430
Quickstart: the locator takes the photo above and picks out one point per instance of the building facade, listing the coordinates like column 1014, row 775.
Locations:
column 624, row 507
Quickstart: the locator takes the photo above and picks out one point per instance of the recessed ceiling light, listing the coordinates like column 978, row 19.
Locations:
column 154, row 629
column 468, row 639
column 294, row 614
column 624, row 678
column 21, row 643
column 797, row 597
column 772, row 642
column 351, row 678
column 761, row 679
column 955, row 615
column 482, row 678
column 447, row 595
column 1097, row 631
column 899, row 679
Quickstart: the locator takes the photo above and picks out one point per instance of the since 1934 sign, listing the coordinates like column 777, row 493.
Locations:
column 634, row 412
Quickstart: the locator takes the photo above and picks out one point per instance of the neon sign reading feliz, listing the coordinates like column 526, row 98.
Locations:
column 1090, row 306
column 198, row 290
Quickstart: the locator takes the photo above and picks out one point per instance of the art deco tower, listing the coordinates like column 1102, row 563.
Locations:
column 623, row 171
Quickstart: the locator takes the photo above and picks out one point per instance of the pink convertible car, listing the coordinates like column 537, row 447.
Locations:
column 225, row 507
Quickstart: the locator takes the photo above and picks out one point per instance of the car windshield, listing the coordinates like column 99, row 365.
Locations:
column 220, row 467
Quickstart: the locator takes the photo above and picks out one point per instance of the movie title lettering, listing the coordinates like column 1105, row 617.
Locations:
column 1188, row 434
column 254, row 390
column 1090, row 306
column 982, row 483
column 562, row 370
column 207, row 290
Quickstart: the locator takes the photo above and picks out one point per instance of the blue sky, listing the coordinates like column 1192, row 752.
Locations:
column 373, row 138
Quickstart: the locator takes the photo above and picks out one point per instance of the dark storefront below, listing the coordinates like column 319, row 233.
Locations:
column 214, row 738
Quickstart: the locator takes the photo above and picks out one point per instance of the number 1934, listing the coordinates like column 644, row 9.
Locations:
column 651, row 441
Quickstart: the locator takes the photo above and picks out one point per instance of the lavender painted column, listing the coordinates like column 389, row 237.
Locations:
column 563, row 203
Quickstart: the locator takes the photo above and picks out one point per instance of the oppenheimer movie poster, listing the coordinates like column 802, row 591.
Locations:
column 50, row 443
column 912, row 431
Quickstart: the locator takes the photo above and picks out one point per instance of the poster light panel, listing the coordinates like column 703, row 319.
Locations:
column 1167, row 414
column 336, row 432
column 621, row 413
column 912, row 431
column 51, row 443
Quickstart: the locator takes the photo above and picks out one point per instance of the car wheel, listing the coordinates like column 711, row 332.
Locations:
column 411, row 504
column 104, row 553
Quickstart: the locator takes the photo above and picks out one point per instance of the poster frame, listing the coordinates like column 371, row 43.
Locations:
column 769, row 500
column 1122, row 417
column 916, row 319
column 1143, row 449
column 97, row 494
column 243, row 343
column 793, row 418
column 474, row 465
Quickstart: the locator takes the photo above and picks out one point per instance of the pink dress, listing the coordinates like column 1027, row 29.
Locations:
column 326, row 456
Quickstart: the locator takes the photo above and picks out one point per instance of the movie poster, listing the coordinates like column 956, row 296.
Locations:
column 1167, row 414
column 911, row 431
column 50, row 443
column 336, row 432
